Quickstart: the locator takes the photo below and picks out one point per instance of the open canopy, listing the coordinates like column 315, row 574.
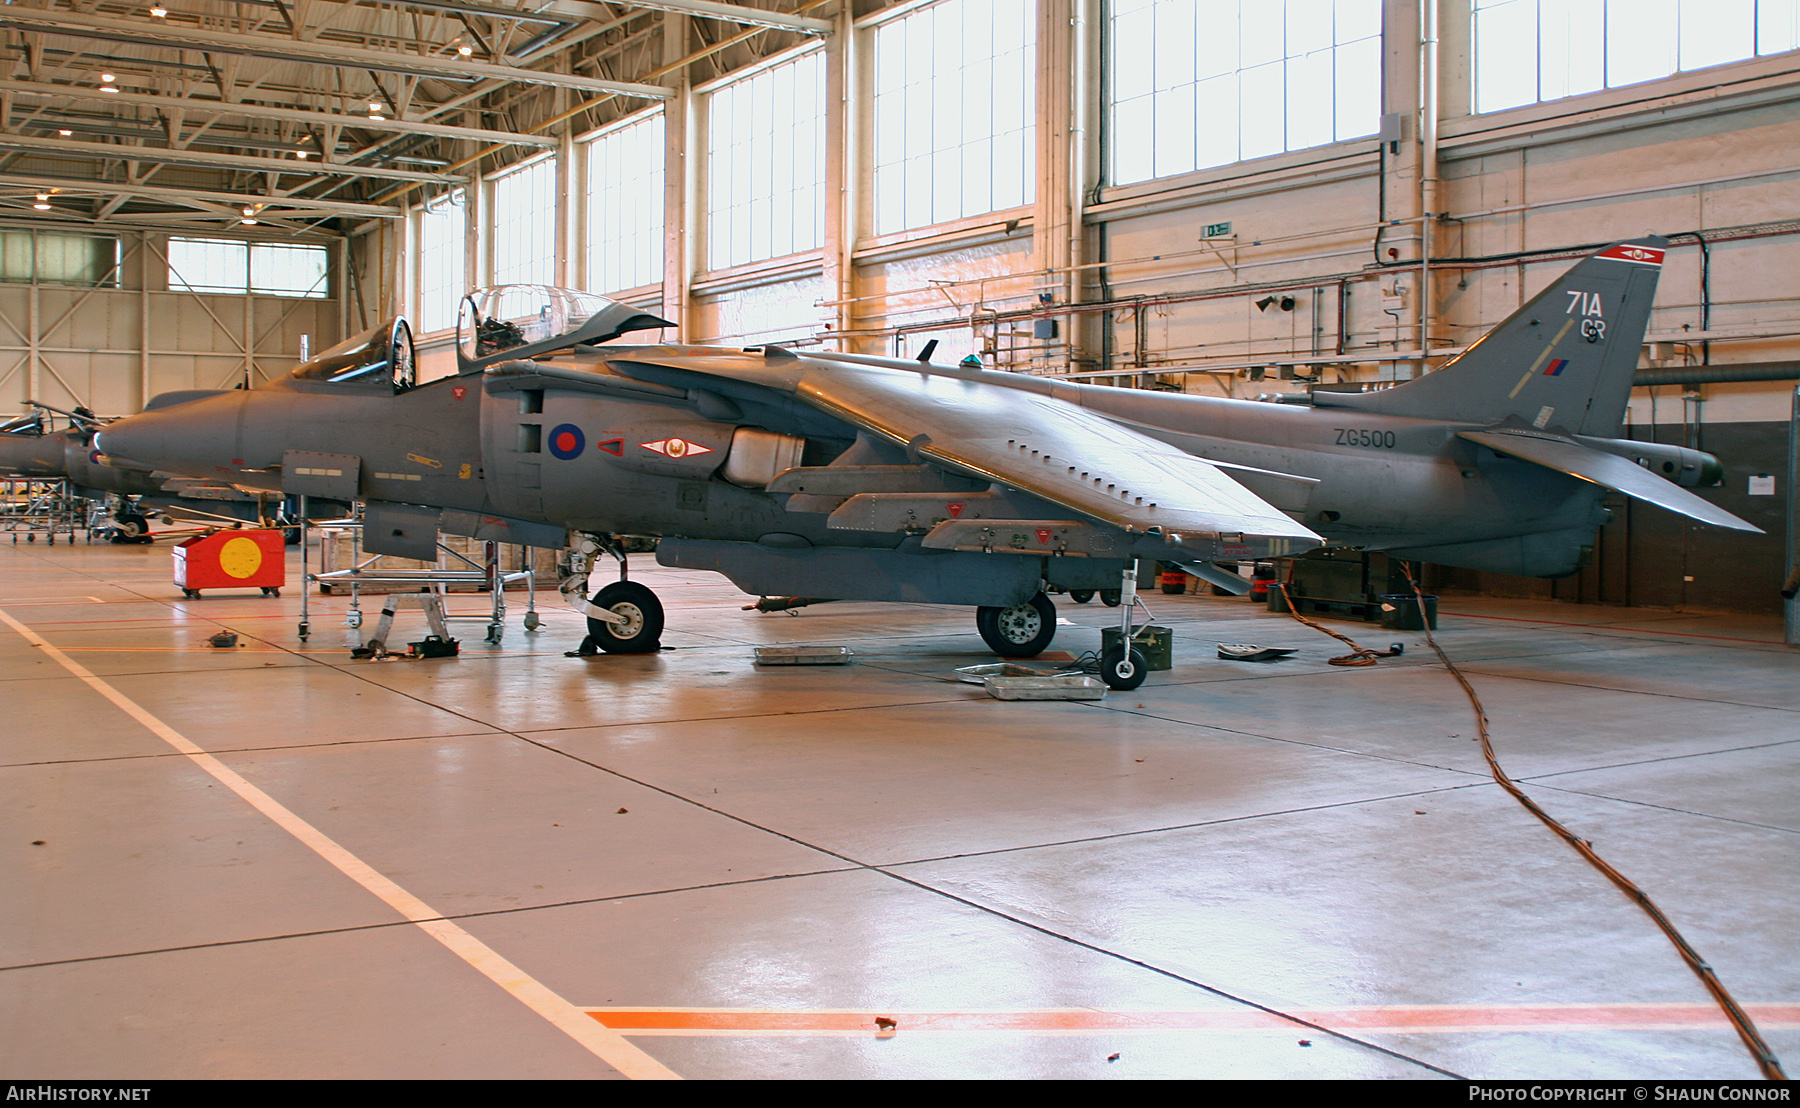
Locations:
column 505, row 322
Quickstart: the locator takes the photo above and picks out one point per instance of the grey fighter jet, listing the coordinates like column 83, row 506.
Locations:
column 867, row 478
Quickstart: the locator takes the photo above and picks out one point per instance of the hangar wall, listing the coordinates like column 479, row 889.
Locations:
column 111, row 346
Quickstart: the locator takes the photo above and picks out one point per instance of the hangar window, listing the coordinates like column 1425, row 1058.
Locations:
column 1527, row 51
column 438, row 260
column 954, row 110
column 524, row 225
column 765, row 169
column 47, row 258
column 625, row 206
column 1199, row 85
column 263, row 268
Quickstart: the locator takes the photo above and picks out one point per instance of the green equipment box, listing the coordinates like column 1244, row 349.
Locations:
column 1156, row 644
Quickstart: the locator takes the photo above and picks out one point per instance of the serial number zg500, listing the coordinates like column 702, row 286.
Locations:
column 1362, row 436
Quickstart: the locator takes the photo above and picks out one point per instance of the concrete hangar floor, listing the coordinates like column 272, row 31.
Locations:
column 272, row 862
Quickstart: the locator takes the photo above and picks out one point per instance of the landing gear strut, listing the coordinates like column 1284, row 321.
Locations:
column 624, row 617
column 1124, row 667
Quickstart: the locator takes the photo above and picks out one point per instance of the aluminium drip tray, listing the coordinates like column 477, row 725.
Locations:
column 1072, row 686
column 804, row 655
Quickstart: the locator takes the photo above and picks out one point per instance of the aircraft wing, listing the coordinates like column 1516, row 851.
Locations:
column 1048, row 448
column 1609, row 471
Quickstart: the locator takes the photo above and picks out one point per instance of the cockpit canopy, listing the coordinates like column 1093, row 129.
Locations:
column 381, row 357
column 32, row 424
column 505, row 322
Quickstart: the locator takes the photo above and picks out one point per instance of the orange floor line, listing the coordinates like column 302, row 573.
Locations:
column 1392, row 1019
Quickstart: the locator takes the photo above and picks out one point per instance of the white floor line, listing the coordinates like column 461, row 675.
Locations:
column 609, row 1046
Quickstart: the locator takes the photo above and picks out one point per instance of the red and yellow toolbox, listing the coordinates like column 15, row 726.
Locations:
column 247, row 559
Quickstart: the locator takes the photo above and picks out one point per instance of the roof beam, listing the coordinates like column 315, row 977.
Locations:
column 561, row 11
column 159, row 155
column 188, row 37
column 75, row 186
column 711, row 9
column 263, row 111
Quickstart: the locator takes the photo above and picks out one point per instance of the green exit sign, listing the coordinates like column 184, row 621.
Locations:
column 1218, row 230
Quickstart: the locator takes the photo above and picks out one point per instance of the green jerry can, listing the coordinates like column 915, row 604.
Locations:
column 1156, row 644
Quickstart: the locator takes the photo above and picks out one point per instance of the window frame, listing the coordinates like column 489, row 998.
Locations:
column 701, row 145
column 319, row 290
column 585, row 147
column 417, row 264
column 1676, row 81
column 490, row 218
column 1109, row 107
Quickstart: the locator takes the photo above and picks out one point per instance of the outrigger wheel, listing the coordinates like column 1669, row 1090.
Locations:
column 1022, row 631
column 641, row 631
column 1121, row 670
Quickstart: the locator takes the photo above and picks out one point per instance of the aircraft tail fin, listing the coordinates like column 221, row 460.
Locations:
column 1564, row 360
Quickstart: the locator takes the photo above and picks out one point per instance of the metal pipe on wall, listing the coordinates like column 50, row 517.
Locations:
column 1790, row 608
column 1428, row 162
column 1718, row 374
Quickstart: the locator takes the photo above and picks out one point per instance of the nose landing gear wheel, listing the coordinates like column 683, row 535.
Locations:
column 641, row 633
column 1123, row 671
column 1022, row 631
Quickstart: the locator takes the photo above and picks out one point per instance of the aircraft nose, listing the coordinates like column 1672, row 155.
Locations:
column 197, row 438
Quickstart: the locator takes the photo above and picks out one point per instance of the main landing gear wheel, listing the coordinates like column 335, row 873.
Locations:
column 1022, row 631
column 1123, row 671
column 1111, row 597
column 1081, row 596
column 641, row 633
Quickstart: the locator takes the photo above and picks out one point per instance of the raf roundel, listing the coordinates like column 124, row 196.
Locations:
column 566, row 441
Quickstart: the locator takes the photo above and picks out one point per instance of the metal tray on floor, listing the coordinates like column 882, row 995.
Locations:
column 1073, row 686
column 804, row 655
column 975, row 675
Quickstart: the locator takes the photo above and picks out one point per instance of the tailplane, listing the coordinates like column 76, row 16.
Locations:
column 1564, row 361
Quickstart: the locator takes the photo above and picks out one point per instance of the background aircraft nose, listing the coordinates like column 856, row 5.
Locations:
column 197, row 438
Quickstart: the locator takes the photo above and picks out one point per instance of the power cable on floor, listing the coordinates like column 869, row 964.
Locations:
column 1360, row 655
column 1746, row 1028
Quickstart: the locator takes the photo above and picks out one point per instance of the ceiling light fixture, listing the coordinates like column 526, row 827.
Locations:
column 375, row 105
column 107, row 77
column 247, row 221
column 301, row 154
column 465, row 49
column 43, row 202
column 159, row 11
column 65, row 132
column 109, row 88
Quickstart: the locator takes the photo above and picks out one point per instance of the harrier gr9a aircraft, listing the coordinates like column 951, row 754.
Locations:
column 868, row 478
column 850, row 478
